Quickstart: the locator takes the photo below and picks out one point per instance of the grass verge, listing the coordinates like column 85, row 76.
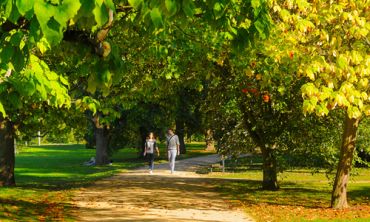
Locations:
column 303, row 196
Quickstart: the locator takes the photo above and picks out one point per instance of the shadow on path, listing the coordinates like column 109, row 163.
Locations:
column 138, row 196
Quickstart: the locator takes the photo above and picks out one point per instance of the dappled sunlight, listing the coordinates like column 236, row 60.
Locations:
column 308, row 198
column 48, row 207
column 139, row 196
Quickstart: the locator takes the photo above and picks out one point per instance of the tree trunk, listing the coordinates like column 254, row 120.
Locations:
column 102, row 141
column 7, row 157
column 339, row 194
column 210, row 142
column 180, row 131
column 269, row 168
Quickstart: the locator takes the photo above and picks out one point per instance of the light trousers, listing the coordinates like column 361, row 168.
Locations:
column 171, row 159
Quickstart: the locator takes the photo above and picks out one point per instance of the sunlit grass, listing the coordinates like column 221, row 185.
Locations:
column 303, row 196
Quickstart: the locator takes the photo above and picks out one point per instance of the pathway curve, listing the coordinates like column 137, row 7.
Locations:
column 138, row 196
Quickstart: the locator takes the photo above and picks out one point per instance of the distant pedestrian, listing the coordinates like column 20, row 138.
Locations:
column 173, row 148
column 150, row 148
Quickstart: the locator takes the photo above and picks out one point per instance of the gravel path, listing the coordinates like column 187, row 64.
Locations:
column 138, row 196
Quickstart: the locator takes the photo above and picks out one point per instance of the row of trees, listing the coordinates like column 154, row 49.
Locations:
column 247, row 73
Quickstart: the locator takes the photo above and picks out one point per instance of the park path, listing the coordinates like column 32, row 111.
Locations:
column 138, row 196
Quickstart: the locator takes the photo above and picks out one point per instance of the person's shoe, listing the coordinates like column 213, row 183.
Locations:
column 150, row 172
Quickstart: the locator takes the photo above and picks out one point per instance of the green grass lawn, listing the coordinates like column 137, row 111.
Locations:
column 46, row 175
column 303, row 196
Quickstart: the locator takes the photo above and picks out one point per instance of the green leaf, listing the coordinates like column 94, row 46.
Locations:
column 42, row 91
column 105, row 76
column 15, row 100
column 64, row 81
column 8, row 8
column 261, row 28
column 156, row 17
column 25, row 88
column 101, row 15
column 135, row 3
column 281, row 90
column 16, row 39
column 91, row 84
column 342, row 62
column 35, row 31
column 14, row 15
column 18, row 60
column 3, row 88
column 217, row 10
column 2, row 110
column 171, row 7
column 24, row 6
column 188, row 7
column 67, row 11
column 43, row 45
column 256, row 3
column 44, row 13
column 52, row 76
column 110, row 4
column 86, row 8
column 29, row 88
column 92, row 107
column 53, row 19
column 6, row 53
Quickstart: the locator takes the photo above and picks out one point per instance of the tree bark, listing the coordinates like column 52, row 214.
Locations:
column 339, row 193
column 210, row 143
column 7, row 156
column 180, row 131
column 269, row 168
column 102, row 141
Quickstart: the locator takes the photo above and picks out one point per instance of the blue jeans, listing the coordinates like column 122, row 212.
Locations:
column 171, row 159
column 150, row 157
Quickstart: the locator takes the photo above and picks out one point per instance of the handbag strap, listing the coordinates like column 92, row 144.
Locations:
column 169, row 140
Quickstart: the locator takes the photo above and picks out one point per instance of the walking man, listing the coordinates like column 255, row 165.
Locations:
column 173, row 148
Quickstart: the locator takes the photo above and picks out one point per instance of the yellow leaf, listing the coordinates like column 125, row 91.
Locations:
column 353, row 112
column 341, row 100
column 364, row 82
column 310, row 74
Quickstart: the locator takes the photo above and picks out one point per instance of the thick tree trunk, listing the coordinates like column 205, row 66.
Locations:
column 210, row 142
column 339, row 194
column 180, row 131
column 7, row 157
column 269, row 168
column 102, row 141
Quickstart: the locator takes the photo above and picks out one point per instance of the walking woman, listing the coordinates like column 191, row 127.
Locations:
column 150, row 148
